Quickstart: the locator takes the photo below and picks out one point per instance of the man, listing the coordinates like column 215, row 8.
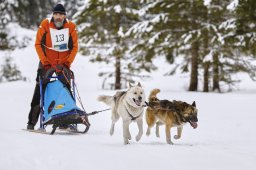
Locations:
column 56, row 45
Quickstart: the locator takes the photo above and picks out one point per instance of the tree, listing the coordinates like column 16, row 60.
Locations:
column 5, row 18
column 9, row 71
column 30, row 13
column 102, row 25
column 244, row 36
column 172, row 29
column 231, row 56
column 201, row 34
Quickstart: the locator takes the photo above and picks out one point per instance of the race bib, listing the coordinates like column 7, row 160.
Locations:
column 59, row 39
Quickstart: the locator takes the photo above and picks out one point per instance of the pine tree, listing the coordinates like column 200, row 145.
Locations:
column 103, row 25
column 245, row 36
column 30, row 13
column 5, row 18
column 172, row 29
column 9, row 71
column 199, row 33
column 228, row 58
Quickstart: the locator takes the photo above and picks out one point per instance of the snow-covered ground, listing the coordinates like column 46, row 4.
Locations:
column 224, row 139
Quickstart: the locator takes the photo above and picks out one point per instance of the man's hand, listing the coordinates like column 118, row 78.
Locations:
column 43, row 72
column 47, row 67
column 61, row 67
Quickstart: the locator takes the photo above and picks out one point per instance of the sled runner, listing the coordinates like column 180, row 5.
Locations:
column 58, row 102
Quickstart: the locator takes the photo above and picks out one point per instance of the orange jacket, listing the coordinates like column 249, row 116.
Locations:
column 43, row 42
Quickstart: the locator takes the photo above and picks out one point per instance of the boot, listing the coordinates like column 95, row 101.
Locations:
column 30, row 127
column 33, row 117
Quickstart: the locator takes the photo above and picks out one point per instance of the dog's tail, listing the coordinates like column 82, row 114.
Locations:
column 106, row 99
column 152, row 96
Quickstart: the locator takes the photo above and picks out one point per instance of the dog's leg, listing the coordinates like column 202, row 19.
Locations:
column 129, row 135
column 150, row 119
column 148, row 131
column 114, row 118
column 168, row 134
column 179, row 131
column 126, row 132
column 157, row 128
column 112, row 128
column 140, row 126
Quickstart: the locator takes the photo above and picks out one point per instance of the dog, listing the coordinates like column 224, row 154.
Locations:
column 171, row 113
column 129, row 105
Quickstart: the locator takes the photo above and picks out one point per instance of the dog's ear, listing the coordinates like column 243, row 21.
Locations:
column 139, row 84
column 194, row 104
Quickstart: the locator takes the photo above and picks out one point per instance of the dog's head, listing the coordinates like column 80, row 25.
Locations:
column 190, row 114
column 136, row 95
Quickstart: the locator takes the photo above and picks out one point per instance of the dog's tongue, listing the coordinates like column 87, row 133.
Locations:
column 193, row 124
column 137, row 102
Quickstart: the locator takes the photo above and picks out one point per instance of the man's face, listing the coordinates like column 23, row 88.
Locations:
column 58, row 19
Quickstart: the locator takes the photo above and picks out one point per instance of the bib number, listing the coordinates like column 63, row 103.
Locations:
column 59, row 39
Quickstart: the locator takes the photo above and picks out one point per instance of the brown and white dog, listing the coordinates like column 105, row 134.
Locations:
column 171, row 113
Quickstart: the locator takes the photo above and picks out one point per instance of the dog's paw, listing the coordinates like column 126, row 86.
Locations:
column 126, row 142
column 138, row 137
column 177, row 137
column 111, row 132
column 157, row 134
column 169, row 141
column 130, row 138
column 148, row 132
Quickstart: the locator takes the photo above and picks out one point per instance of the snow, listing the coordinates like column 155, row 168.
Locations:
column 208, row 57
column 117, row 8
column 120, row 32
column 143, row 26
column 207, row 2
column 232, row 6
column 223, row 140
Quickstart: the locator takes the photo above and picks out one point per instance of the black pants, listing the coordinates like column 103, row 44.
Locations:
column 35, row 103
column 35, row 106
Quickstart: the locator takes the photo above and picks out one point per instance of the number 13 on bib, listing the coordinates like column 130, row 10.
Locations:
column 59, row 39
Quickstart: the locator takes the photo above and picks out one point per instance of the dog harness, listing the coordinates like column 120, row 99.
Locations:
column 132, row 117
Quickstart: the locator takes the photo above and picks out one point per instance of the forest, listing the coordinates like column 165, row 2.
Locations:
column 212, row 41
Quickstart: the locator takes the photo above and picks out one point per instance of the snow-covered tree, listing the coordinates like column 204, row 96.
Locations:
column 5, row 18
column 228, row 56
column 29, row 13
column 195, row 37
column 172, row 29
column 9, row 71
column 102, row 35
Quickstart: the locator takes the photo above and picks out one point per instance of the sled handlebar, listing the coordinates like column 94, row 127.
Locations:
column 66, row 71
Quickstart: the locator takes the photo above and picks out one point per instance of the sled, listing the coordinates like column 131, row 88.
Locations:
column 61, row 131
column 58, row 102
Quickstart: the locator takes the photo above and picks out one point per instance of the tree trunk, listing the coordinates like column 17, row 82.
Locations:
column 194, row 67
column 206, row 76
column 118, row 73
column 206, row 63
column 216, row 78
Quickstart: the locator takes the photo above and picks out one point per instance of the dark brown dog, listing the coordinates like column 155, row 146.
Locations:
column 171, row 113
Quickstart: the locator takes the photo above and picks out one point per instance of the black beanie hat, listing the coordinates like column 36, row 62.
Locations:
column 59, row 8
